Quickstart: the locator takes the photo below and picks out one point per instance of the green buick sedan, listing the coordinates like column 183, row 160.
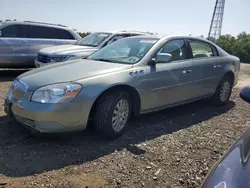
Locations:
column 129, row 77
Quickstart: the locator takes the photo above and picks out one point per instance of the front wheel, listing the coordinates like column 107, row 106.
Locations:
column 223, row 91
column 112, row 114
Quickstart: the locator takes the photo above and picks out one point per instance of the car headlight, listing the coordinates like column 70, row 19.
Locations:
column 56, row 93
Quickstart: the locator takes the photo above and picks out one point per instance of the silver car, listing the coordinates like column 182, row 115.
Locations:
column 81, row 48
column 21, row 41
column 132, row 76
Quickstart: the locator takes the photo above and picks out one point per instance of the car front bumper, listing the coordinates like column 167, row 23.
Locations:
column 48, row 118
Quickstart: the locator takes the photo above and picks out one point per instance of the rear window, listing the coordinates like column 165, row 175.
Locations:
column 63, row 34
column 50, row 33
column 15, row 31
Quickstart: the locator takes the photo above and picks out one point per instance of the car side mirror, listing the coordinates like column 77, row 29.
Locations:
column 161, row 58
column 245, row 94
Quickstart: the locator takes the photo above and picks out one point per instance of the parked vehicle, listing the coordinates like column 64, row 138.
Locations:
column 82, row 48
column 132, row 76
column 232, row 170
column 20, row 41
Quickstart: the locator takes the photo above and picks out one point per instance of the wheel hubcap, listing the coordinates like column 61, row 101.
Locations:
column 120, row 115
column 225, row 91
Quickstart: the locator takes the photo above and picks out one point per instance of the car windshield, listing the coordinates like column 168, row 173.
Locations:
column 94, row 39
column 126, row 51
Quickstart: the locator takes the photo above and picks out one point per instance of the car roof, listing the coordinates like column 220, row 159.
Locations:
column 128, row 31
column 10, row 22
column 171, row 37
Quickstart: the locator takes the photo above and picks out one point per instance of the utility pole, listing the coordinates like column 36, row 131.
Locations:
column 217, row 19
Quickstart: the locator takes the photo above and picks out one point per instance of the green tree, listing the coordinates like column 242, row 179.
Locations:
column 238, row 46
column 83, row 34
column 242, row 47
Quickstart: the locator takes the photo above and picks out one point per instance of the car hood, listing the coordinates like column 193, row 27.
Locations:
column 233, row 169
column 68, row 49
column 68, row 71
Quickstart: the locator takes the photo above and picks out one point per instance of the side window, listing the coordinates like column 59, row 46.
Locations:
column 176, row 48
column 62, row 34
column 15, row 31
column 42, row 32
column 50, row 33
column 201, row 49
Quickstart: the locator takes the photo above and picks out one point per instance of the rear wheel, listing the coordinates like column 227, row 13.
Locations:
column 223, row 91
column 112, row 113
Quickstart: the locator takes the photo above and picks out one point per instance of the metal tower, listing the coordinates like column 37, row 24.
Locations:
column 217, row 19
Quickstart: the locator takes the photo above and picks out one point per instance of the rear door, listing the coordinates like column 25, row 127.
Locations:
column 15, row 46
column 205, row 60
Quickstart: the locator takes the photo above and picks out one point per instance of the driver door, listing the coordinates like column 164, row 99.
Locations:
column 170, row 83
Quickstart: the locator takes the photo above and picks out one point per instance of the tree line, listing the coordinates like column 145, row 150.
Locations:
column 238, row 46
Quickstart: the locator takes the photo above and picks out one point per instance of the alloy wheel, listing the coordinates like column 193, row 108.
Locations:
column 120, row 115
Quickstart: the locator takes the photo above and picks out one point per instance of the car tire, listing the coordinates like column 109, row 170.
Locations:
column 112, row 114
column 223, row 91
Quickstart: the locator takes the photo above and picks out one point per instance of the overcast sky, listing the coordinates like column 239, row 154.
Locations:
column 162, row 16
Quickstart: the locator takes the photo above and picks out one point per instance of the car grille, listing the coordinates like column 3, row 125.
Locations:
column 43, row 58
column 47, row 59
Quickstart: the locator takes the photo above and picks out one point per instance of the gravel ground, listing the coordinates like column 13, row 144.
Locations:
column 172, row 148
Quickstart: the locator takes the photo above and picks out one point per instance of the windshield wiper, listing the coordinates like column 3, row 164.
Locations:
column 104, row 60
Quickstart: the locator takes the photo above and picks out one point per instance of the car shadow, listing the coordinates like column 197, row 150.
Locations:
column 10, row 74
column 22, row 154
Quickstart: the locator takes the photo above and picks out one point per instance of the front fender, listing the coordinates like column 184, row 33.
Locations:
column 95, row 86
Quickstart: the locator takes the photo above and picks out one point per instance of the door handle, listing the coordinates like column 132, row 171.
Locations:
column 217, row 66
column 186, row 71
column 24, row 41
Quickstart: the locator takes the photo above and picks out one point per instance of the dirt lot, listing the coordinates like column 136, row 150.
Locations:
column 171, row 148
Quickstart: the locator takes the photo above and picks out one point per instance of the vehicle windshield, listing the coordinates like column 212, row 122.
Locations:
column 126, row 51
column 94, row 39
